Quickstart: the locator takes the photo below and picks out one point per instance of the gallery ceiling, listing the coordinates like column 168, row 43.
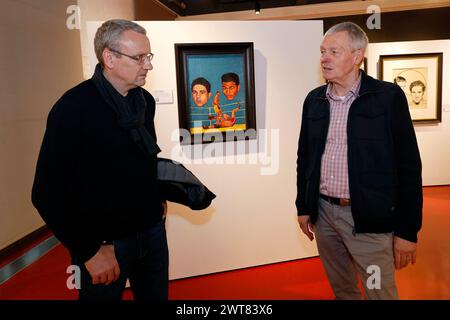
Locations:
column 196, row 7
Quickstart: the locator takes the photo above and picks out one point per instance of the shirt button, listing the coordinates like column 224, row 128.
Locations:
column 332, row 177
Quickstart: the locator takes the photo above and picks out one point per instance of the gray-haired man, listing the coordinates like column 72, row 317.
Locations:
column 359, row 186
column 95, row 183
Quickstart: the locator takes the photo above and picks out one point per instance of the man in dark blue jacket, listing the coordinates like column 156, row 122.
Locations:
column 359, row 186
column 96, row 176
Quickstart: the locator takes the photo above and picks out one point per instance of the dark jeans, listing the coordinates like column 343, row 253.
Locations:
column 143, row 259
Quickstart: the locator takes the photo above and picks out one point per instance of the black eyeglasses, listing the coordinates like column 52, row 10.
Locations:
column 140, row 59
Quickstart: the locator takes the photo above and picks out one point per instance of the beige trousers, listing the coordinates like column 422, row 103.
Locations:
column 346, row 255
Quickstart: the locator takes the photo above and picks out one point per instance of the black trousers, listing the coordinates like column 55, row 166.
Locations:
column 143, row 259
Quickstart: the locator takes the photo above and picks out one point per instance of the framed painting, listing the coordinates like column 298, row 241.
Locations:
column 216, row 91
column 420, row 77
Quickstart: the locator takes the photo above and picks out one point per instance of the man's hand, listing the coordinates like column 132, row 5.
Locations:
column 103, row 267
column 404, row 252
column 306, row 226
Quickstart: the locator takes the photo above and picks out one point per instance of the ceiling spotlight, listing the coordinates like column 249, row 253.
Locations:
column 178, row 3
column 257, row 8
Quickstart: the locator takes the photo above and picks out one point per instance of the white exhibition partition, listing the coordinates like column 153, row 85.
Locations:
column 253, row 219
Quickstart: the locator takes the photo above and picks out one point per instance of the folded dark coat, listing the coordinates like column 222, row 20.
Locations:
column 178, row 184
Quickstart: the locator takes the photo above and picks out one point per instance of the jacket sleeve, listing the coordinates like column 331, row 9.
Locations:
column 55, row 192
column 301, row 156
column 150, row 114
column 408, row 212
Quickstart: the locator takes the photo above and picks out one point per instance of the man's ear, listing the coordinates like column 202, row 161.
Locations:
column 108, row 60
column 209, row 95
column 238, row 87
column 359, row 56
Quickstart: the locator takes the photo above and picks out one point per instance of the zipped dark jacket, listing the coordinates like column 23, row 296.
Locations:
column 92, row 182
column 384, row 165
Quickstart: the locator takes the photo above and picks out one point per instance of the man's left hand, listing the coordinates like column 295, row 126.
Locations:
column 404, row 252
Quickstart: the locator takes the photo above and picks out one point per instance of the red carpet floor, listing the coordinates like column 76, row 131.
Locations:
column 429, row 278
column 301, row 279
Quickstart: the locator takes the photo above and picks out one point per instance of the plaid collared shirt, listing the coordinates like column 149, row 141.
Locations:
column 334, row 167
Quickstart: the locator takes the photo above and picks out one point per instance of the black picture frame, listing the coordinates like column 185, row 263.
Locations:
column 227, row 111
column 420, row 76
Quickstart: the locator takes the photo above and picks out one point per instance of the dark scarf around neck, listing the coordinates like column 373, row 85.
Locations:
column 130, row 112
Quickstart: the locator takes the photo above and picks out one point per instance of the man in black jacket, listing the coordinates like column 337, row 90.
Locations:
column 95, row 183
column 359, row 186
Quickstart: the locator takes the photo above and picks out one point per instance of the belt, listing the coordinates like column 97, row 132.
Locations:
column 338, row 201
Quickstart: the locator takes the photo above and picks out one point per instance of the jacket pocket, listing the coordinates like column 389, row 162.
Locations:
column 314, row 116
column 308, row 172
column 309, row 184
column 379, row 193
column 370, row 124
column 378, row 179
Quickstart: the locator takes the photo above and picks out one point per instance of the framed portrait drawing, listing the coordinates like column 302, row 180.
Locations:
column 216, row 91
column 420, row 77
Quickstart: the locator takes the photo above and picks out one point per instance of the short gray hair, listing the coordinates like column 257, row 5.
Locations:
column 357, row 35
column 108, row 35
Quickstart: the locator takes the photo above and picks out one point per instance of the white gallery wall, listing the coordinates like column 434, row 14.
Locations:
column 253, row 219
column 433, row 139
column 40, row 60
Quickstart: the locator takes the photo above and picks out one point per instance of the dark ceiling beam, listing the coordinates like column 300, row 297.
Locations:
column 197, row 7
column 321, row 10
